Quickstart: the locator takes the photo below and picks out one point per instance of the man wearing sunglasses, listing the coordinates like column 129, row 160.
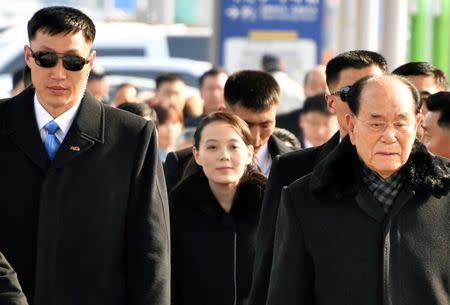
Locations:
column 341, row 72
column 83, row 197
column 428, row 80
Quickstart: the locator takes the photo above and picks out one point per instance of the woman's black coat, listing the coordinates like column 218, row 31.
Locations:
column 212, row 251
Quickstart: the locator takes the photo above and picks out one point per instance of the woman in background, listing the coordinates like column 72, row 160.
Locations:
column 214, row 215
column 170, row 125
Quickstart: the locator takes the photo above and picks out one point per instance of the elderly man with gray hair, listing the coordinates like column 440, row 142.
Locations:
column 370, row 225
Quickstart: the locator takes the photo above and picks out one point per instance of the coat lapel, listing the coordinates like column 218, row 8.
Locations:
column 21, row 127
column 87, row 129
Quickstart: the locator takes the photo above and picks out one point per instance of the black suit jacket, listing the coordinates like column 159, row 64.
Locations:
column 285, row 169
column 92, row 226
column 177, row 161
column 10, row 290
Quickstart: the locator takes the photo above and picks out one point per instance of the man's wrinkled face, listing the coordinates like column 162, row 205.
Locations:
column 261, row 124
column 436, row 138
column 384, row 129
column 57, row 88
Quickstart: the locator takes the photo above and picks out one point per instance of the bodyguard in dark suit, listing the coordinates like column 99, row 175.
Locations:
column 341, row 71
column 254, row 97
column 10, row 290
column 83, row 197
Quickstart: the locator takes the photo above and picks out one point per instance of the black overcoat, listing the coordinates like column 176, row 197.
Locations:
column 91, row 227
column 334, row 244
column 212, row 251
column 285, row 169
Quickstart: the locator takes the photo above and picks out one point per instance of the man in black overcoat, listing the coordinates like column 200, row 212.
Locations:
column 370, row 225
column 83, row 199
column 341, row 71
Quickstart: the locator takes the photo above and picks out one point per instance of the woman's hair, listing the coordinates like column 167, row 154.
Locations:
column 166, row 112
column 236, row 123
column 240, row 126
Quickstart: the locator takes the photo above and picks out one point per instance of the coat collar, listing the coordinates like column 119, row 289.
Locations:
column 340, row 172
column 195, row 195
column 20, row 124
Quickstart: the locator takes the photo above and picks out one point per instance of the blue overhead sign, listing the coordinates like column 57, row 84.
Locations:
column 241, row 18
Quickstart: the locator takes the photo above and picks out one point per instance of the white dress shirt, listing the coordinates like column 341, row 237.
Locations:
column 64, row 121
column 264, row 159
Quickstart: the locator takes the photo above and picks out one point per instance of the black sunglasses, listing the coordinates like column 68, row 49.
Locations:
column 49, row 59
column 342, row 93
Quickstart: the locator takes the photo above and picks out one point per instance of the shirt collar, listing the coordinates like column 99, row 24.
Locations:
column 64, row 121
column 264, row 159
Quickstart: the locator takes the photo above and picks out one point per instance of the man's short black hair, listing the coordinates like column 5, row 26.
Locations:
column 211, row 72
column 256, row 90
column 440, row 102
column 168, row 78
column 55, row 20
column 356, row 59
column 316, row 103
column 353, row 97
column 425, row 69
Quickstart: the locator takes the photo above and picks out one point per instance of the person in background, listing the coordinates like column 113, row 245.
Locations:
column 291, row 92
column 436, row 124
column 214, row 214
column 317, row 122
column 97, row 84
column 428, row 80
column 370, row 225
column 254, row 97
column 125, row 93
column 315, row 81
column 170, row 126
column 170, row 89
column 211, row 85
column 10, row 290
column 341, row 71
column 83, row 199
column 142, row 110
column 287, row 137
column 18, row 83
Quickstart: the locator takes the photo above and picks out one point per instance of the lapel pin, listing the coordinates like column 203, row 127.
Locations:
column 75, row 148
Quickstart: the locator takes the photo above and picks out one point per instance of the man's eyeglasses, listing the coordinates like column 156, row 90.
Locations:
column 49, row 59
column 381, row 126
column 342, row 93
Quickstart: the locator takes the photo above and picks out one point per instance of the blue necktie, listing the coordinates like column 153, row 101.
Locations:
column 51, row 142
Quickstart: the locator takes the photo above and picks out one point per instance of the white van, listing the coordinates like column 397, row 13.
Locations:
column 119, row 44
column 112, row 39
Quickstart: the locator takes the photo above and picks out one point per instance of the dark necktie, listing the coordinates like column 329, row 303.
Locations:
column 51, row 142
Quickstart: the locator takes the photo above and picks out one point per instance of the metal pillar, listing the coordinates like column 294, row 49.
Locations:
column 368, row 25
column 347, row 26
column 395, row 32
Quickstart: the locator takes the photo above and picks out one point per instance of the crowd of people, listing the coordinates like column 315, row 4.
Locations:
column 258, row 190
